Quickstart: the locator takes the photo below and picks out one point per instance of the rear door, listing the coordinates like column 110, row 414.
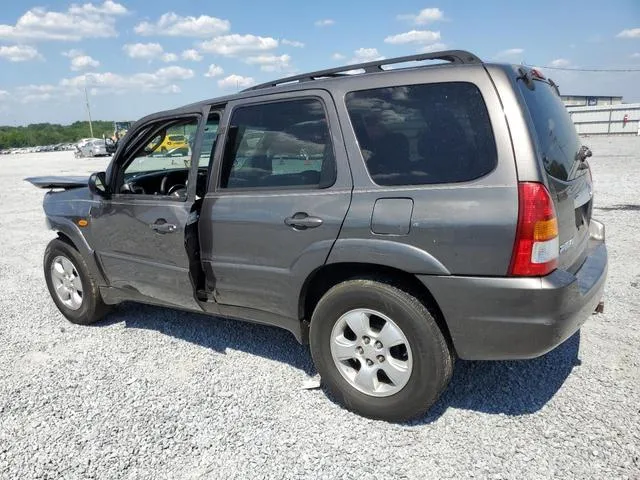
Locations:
column 565, row 167
column 277, row 200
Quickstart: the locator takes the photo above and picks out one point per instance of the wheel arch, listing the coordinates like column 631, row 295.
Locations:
column 69, row 233
column 324, row 278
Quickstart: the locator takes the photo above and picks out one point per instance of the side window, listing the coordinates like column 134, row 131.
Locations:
column 423, row 134
column 160, row 165
column 279, row 145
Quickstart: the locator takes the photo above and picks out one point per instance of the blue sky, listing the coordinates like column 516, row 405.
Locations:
column 137, row 57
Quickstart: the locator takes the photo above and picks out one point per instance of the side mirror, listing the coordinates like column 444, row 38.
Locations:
column 98, row 184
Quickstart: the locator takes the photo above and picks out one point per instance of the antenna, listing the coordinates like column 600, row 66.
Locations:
column 86, row 97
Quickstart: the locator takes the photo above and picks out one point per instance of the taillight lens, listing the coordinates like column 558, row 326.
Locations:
column 536, row 248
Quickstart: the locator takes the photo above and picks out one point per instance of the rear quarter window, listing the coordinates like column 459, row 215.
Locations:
column 423, row 134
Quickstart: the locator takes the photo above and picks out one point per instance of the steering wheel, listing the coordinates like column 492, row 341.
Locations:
column 131, row 187
column 163, row 184
column 177, row 190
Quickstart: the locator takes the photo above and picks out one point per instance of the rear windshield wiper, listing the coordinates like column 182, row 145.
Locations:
column 554, row 85
column 582, row 155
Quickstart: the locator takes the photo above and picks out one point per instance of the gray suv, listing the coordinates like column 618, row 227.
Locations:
column 394, row 219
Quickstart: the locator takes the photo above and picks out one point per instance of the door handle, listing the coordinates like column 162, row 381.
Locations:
column 302, row 221
column 161, row 226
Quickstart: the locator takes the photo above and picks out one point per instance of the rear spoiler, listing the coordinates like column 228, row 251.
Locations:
column 64, row 183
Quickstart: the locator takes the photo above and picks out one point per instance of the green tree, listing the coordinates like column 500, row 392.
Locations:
column 51, row 133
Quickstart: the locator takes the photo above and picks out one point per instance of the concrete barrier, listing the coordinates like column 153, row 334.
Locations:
column 607, row 119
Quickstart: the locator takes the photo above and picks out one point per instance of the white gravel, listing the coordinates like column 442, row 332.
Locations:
column 156, row 393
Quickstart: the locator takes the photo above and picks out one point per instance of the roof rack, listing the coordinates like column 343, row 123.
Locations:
column 453, row 56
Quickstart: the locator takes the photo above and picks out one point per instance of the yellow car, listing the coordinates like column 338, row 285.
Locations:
column 172, row 142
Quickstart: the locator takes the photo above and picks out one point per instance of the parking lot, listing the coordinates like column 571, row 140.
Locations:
column 156, row 393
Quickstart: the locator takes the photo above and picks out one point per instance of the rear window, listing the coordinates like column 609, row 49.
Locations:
column 557, row 138
column 423, row 134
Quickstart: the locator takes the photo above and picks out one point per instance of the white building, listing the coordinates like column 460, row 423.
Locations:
column 589, row 100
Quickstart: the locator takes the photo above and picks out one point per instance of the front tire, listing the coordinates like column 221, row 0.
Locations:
column 72, row 288
column 378, row 350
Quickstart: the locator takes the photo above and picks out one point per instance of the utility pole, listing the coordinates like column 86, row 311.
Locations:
column 86, row 97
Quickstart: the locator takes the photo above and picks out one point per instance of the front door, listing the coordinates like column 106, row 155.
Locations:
column 139, row 233
column 276, row 203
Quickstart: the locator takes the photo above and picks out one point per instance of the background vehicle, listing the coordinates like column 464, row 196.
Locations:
column 91, row 147
column 392, row 219
column 173, row 142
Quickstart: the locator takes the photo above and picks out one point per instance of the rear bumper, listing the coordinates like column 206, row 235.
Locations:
column 515, row 318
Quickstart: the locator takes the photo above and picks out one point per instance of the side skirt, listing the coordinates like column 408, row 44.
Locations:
column 299, row 329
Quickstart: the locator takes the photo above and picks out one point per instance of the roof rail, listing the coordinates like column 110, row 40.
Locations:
column 453, row 56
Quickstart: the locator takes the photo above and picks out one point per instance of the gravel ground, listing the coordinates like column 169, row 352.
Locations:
column 156, row 393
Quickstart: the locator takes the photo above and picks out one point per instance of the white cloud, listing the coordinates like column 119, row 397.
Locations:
column 338, row 56
column 169, row 57
column 83, row 62
column 214, row 71
column 270, row 63
column 413, row 36
column 230, row 45
column 424, row 16
column 327, row 22
column 78, row 22
column 560, row 63
column 192, row 55
column 235, row 81
column 38, row 93
column 635, row 55
column 107, row 8
column 629, row 33
column 3, row 95
column 74, row 52
column 362, row 55
column 173, row 25
column 434, row 47
column 293, row 43
column 171, row 89
column 19, row 53
column 144, row 51
column 80, row 61
column 162, row 80
column 510, row 52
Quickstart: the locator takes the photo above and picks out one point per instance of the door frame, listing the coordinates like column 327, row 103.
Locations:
column 343, row 184
column 185, row 204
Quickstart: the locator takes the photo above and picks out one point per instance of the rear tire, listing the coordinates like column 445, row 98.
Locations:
column 73, row 290
column 416, row 363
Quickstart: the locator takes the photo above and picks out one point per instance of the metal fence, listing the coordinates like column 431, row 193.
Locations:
column 607, row 119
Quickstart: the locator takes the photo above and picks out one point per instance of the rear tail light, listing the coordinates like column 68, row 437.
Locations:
column 536, row 248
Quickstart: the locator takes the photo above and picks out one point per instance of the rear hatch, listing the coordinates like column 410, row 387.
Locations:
column 564, row 163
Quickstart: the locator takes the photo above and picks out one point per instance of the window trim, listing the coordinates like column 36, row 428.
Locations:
column 416, row 84
column 128, row 156
column 258, row 101
column 213, row 155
